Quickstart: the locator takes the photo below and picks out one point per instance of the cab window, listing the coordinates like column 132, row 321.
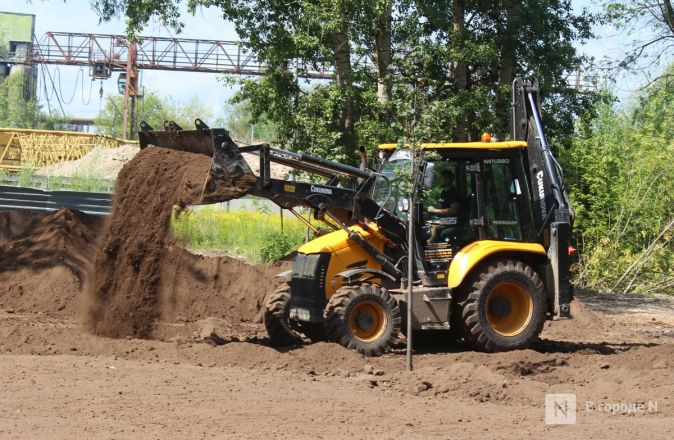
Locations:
column 450, row 204
column 502, row 193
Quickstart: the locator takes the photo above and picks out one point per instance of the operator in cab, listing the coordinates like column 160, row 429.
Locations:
column 448, row 206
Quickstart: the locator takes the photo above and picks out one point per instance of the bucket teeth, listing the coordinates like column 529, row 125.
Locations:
column 227, row 167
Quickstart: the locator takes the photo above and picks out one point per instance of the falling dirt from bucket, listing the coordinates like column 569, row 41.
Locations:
column 126, row 283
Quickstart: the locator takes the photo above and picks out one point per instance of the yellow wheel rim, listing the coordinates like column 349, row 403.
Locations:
column 509, row 309
column 367, row 321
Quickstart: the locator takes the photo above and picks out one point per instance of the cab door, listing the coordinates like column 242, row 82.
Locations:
column 441, row 236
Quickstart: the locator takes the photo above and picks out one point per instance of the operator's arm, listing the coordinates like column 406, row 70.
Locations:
column 452, row 210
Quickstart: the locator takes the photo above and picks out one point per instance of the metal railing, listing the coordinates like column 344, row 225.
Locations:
column 37, row 200
column 111, row 53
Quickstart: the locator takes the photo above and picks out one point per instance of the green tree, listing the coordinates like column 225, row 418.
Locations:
column 15, row 110
column 650, row 26
column 152, row 109
column 471, row 51
column 239, row 122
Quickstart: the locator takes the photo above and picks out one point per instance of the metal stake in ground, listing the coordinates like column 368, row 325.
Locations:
column 410, row 260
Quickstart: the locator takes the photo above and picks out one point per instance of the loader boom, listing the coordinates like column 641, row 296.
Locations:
column 343, row 206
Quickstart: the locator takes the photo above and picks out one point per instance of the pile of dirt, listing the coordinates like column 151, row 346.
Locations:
column 100, row 162
column 194, row 287
column 129, row 266
column 45, row 258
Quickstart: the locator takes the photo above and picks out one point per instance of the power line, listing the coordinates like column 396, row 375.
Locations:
column 51, row 80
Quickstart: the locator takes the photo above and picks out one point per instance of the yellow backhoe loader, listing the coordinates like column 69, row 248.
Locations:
column 492, row 228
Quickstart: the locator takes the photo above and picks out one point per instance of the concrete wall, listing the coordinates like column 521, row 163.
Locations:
column 16, row 27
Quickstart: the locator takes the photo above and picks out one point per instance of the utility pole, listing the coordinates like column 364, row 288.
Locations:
column 130, row 92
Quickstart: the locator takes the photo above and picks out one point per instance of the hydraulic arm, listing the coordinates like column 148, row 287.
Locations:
column 343, row 206
column 551, row 201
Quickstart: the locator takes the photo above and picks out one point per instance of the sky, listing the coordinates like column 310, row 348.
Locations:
column 78, row 16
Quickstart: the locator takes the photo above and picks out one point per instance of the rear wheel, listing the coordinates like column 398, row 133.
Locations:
column 504, row 308
column 364, row 317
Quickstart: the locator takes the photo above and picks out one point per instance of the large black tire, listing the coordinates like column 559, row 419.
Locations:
column 504, row 307
column 276, row 318
column 364, row 317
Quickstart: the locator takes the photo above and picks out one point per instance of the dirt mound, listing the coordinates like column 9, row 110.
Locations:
column 100, row 162
column 195, row 287
column 129, row 265
column 45, row 258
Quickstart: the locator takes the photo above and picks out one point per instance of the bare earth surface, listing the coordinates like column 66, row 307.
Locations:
column 208, row 371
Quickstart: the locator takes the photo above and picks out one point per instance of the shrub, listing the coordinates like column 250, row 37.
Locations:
column 253, row 235
column 619, row 175
column 275, row 246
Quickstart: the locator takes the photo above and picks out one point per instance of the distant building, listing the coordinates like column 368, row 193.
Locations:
column 16, row 46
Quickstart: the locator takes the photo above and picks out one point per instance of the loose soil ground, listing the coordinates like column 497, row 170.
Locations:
column 206, row 370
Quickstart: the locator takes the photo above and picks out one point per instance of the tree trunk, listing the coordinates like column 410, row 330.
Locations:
column 668, row 14
column 507, row 69
column 383, row 53
column 459, row 69
column 343, row 77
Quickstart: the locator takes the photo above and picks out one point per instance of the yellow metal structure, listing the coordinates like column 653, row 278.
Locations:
column 38, row 148
column 474, row 253
column 343, row 253
column 463, row 145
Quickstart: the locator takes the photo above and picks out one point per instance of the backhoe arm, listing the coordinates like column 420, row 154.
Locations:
column 554, row 215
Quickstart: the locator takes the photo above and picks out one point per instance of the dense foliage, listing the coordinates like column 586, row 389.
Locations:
column 469, row 51
column 619, row 172
column 15, row 111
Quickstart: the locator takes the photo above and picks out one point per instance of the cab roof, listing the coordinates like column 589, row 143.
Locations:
column 463, row 145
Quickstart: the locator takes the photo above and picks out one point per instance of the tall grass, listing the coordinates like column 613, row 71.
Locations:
column 88, row 177
column 88, row 182
column 26, row 174
column 253, row 235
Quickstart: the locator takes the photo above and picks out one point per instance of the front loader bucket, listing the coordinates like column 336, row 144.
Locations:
column 229, row 175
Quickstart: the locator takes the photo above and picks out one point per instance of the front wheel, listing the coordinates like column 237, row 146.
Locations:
column 276, row 318
column 504, row 308
column 364, row 317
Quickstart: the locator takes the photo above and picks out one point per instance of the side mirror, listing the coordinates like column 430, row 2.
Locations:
column 515, row 188
column 403, row 204
column 427, row 182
